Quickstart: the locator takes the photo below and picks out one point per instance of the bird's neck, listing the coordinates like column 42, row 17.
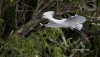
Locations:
column 54, row 20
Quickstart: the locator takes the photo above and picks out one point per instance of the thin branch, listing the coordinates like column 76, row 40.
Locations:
column 25, row 10
column 5, row 8
column 47, row 5
column 29, row 6
column 93, row 21
column 91, row 32
column 0, row 8
column 16, row 22
column 38, row 6
column 33, row 21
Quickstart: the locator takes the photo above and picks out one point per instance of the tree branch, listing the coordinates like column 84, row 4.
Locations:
column 0, row 7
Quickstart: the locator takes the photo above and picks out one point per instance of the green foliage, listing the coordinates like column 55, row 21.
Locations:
column 20, row 47
column 57, row 52
column 35, row 44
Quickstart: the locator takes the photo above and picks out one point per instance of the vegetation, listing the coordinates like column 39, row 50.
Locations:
column 21, row 34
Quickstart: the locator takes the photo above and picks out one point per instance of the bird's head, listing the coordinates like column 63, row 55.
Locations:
column 48, row 14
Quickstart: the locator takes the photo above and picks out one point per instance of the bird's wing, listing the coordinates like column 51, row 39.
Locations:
column 52, row 24
column 77, row 19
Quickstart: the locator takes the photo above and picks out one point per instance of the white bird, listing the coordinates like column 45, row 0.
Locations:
column 73, row 22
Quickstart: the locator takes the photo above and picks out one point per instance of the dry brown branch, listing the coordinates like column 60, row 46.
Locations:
column 33, row 21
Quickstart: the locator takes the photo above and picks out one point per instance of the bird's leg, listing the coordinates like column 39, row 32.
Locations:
column 82, row 34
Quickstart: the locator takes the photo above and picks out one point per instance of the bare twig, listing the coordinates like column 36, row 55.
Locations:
column 34, row 19
column 38, row 6
column 0, row 7
column 91, row 32
column 5, row 8
column 16, row 22
column 48, row 4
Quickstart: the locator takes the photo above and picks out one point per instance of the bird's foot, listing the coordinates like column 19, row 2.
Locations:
column 42, row 25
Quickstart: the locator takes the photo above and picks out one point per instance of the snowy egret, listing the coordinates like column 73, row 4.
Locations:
column 73, row 22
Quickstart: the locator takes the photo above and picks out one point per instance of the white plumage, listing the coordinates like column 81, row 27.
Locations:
column 72, row 22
